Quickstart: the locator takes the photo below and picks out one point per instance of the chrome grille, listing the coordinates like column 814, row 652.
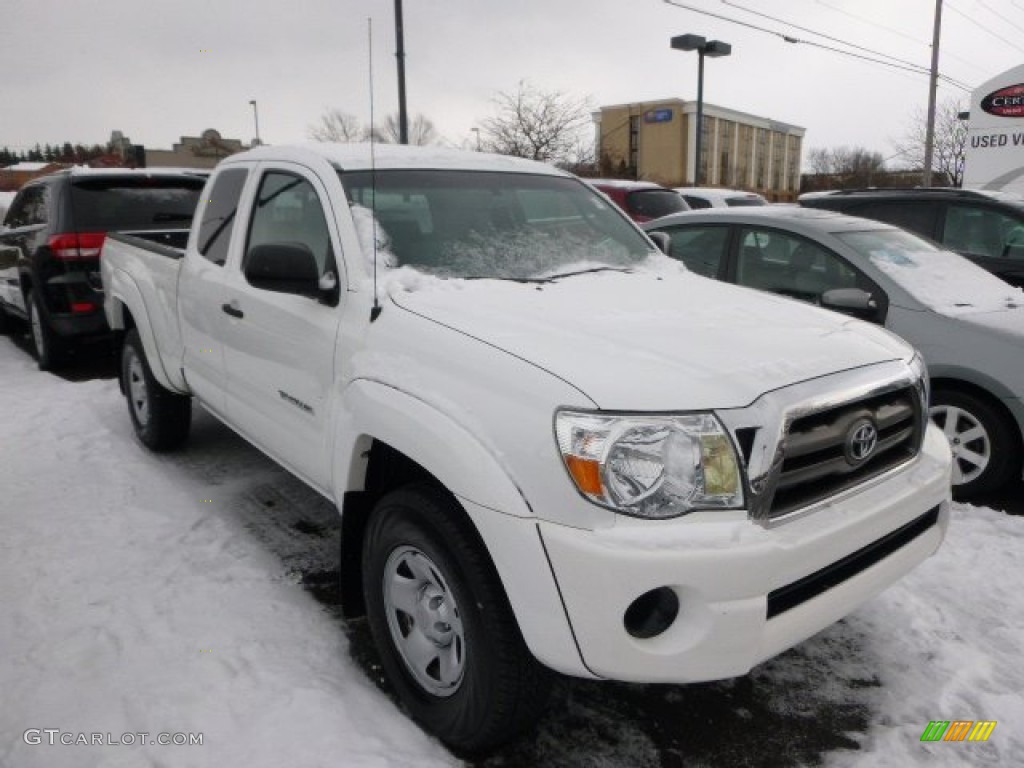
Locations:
column 822, row 451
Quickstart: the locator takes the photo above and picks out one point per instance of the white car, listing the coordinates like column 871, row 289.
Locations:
column 552, row 447
column 714, row 197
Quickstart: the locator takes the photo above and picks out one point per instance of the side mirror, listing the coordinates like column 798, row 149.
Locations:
column 284, row 268
column 661, row 239
column 852, row 301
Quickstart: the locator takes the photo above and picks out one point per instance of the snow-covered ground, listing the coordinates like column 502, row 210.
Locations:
column 173, row 594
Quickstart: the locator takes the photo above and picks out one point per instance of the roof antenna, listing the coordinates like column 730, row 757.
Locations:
column 375, row 309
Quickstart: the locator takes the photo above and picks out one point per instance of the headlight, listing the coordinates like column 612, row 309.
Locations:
column 650, row 466
column 917, row 365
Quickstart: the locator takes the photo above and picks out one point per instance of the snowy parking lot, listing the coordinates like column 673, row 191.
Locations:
column 192, row 594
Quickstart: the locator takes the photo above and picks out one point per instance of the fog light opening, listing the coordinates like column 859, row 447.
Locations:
column 651, row 613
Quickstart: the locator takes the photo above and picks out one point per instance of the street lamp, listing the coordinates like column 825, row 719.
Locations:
column 714, row 49
column 256, row 120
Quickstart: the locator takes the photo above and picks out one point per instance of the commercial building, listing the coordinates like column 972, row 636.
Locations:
column 657, row 141
column 203, row 151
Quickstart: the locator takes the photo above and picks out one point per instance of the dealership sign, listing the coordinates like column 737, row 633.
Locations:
column 1006, row 102
column 994, row 157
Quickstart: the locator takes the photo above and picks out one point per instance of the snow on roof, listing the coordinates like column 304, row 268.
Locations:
column 28, row 167
column 624, row 183
column 84, row 170
column 395, row 156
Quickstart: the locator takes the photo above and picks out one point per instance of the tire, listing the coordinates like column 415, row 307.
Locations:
column 161, row 418
column 455, row 656
column 50, row 349
column 983, row 444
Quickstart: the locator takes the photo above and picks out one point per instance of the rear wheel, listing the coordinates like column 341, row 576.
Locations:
column 161, row 418
column 49, row 347
column 447, row 636
column 982, row 443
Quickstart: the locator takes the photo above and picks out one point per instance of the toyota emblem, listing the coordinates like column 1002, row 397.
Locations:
column 861, row 441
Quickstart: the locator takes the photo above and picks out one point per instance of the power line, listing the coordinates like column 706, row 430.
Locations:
column 915, row 68
column 838, row 40
column 982, row 27
column 996, row 13
column 900, row 33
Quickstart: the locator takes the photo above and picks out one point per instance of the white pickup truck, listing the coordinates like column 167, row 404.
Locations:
column 552, row 447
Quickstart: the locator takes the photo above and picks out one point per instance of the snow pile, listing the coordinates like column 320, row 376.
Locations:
column 136, row 600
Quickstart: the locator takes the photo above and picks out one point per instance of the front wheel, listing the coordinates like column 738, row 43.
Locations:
column 161, row 418
column 447, row 636
column 983, row 445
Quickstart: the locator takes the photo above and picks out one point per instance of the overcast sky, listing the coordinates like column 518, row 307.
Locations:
column 159, row 69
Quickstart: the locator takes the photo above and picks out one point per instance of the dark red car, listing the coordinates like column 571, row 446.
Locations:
column 641, row 200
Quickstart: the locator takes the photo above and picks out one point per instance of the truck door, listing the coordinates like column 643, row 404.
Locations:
column 279, row 346
column 201, row 288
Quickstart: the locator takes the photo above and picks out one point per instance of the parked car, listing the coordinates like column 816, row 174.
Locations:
column 51, row 238
column 968, row 324
column 986, row 227
column 551, row 446
column 641, row 200
column 714, row 197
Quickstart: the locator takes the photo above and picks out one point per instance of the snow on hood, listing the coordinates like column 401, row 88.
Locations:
column 655, row 340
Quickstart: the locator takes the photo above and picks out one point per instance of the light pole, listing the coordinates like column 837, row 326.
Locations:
column 714, row 49
column 477, row 132
column 256, row 120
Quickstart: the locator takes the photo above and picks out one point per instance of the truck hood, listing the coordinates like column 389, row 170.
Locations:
column 655, row 341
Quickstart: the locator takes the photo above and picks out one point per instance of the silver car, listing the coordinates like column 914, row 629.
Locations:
column 968, row 324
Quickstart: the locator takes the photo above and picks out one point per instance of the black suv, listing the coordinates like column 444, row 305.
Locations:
column 51, row 238
column 986, row 227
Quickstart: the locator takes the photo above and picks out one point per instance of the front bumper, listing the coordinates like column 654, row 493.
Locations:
column 723, row 567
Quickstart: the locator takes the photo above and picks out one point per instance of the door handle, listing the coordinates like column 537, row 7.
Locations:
column 233, row 309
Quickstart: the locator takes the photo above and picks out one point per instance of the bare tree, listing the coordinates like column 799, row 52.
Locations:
column 950, row 140
column 538, row 124
column 845, row 161
column 422, row 131
column 336, row 125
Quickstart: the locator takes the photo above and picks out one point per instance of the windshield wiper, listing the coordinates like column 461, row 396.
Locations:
column 549, row 279
column 559, row 276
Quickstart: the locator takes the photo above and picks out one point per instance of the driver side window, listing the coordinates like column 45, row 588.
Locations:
column 288, row 211
column 782, row 263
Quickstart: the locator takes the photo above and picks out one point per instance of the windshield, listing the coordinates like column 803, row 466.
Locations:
column 941, row 280
column 475, row 224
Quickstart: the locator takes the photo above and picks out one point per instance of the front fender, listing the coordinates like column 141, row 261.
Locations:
column 446, row 449
column 493, row 502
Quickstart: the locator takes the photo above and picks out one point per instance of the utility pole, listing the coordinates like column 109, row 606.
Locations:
column 933, row 81
column 403, row 118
